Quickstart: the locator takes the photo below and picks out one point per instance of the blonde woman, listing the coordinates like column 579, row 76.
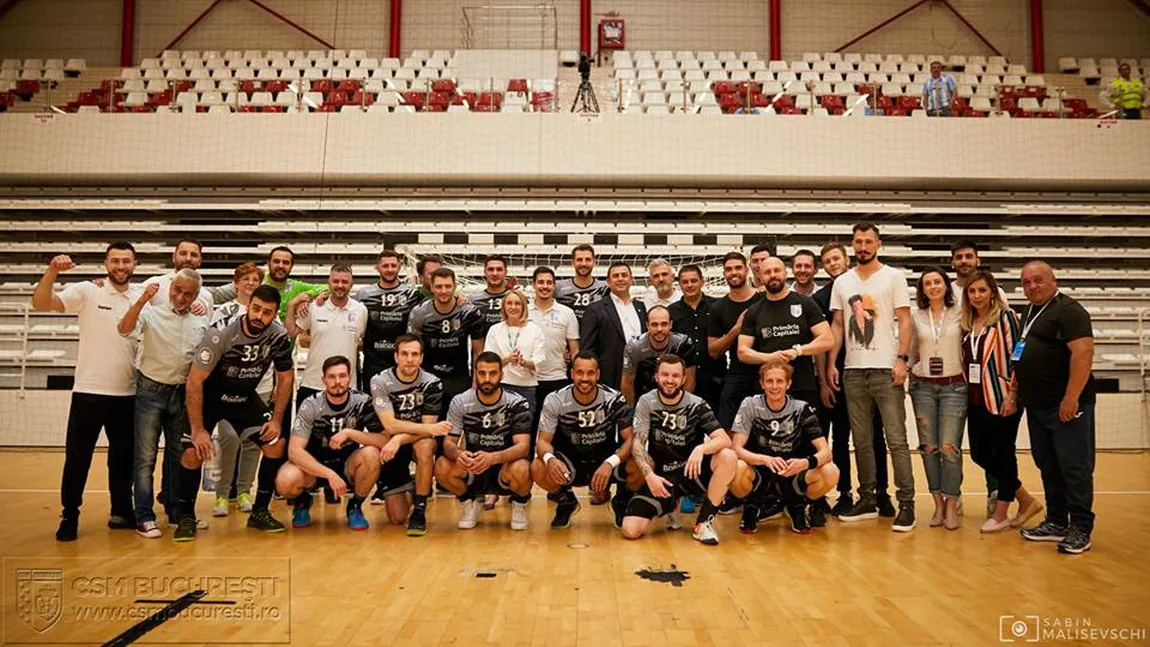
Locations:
column 991, row 329
column 520, row 343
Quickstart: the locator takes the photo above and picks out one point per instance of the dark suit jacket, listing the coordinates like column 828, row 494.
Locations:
column 601, row 332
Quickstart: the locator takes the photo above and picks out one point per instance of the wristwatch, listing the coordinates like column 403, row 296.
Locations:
column 905, row 358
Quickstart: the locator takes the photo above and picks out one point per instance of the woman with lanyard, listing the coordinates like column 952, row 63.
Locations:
column 520, row 343
column 991, row 332
column 938, row 392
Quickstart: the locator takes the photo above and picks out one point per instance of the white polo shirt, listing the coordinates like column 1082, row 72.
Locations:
column 106, row 363
column 165, row 282
column 167, row 341
column 559, row 324
column 334, row 331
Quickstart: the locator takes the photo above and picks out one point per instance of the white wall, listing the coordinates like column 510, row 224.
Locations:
column 1099, row 28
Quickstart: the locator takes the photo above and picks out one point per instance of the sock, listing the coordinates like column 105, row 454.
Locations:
column 355, row 501
column 266, row 481
column 707, row 511
column 520, row 498
column 189, row 484
column 419, row 501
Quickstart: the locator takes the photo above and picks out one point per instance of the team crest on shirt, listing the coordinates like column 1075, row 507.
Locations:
column 379, row 402
column 205, row 355
column 796, row 310
column 765, row 332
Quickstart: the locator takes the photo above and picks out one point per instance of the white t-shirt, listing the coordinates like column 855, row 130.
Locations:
column 559, row 325
column 869, row 323
column 106, row 363
column 334, row 331
column 165, row 281
column 528, row 338
column 167, row 341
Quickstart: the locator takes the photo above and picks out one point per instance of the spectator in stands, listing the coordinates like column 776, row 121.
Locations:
column 1056, row 388
column 803, row 269
column 689, row 316
column 939, row 92
column 611, row 322
column 168, row 336
column 991, row 329
column 661, row 290
column 519, row 342
column 1127, row 94
column 104, row 393
column 938, row 391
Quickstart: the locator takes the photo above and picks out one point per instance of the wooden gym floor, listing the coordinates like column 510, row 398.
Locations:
column 842, row 585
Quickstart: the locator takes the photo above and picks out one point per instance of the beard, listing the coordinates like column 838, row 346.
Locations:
column 775, row 286
column 736, row 282
column 255, row 325
column 114, row 277
column 487, row 388
column 279, row 276
column 864, row 260
column 337, row 391
column 670, row 395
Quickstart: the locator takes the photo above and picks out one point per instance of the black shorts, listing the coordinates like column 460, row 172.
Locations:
column 789, row 489
column 582, row 471
column 488, row 482
column 395, row 475
column 247, row 418
column 645, row 504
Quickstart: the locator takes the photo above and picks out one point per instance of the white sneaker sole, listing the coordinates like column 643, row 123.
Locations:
column 903, row 528
column 859, row 517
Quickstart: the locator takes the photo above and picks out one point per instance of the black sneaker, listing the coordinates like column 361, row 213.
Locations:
column 1076, row 542
column 329, row 496
column 860, row 511
column 749, row 524
column 619, row 506
column 185, row 529
column 843, row 505
column 1045, row 531
column 730, row 505
column 563, row 513
column 555, row 497
column 904, row 522
column 262, row 519
column 798, row 515
column 885, row 507
column 68, row 529
column 417, row 522
column 817, row 514
column 771, row 509
column 116, row 522
column 377, row 498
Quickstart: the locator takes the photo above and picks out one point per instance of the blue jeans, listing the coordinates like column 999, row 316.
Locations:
column 940, row 411
column 159, row 409
column 865, row 388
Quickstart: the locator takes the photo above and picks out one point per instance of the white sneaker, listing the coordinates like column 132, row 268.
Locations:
column 469, row 514
column 148, row 530
column 221, row 507
column 518, row 516
column 673, row 522
column 705, row 533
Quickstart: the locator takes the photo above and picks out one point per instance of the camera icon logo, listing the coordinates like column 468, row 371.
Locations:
column 1018, row 629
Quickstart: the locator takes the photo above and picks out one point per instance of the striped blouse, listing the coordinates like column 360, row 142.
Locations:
column 994, row 358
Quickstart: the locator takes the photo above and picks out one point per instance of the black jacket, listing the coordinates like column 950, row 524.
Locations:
column 601, row 332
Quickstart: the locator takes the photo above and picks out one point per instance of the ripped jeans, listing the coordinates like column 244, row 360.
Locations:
column 940, row 411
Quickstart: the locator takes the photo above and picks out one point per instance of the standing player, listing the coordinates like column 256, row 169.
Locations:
column 582, row 290
column 408, row 400
column 723, row 333
column 424, row 268
column 643, row 353
column 682, row 432
column 336, row 327
column 584, row 435
column 226, row 371
column 281, row 260
column 489, row 301
column 389, row 304
column 445, row 325
column 105, row 385
column 486, row 450
column 335, row 437
column 773, row 435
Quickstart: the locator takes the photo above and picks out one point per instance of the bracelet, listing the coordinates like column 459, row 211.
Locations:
column 547, row 457
column 613, row 460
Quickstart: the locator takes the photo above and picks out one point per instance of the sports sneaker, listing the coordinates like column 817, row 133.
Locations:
column 116, row 522
column 301, row 516
column 148, row 530
column 860, row 511
column 1076, row 542
column 377, row 498
column 555, row 497
column 201, row 524
column 885, row 507
column 749, row 524
column 771, row 509
column 221, row 509
column 519, row 515
column 67, row 531
column 673, row 522
column 185, row 529
column 619, row 507
column 1045, row 531
column 686, row 505
column 730, row 505
column 563, row 513
column 817, row 513
column 904, row 522
column 355, row 519
column 244, row 501
column 262, row 519
column 469, row 513
column 705, row 533
column 417, row 523
column 843, row 505
column 798, row 517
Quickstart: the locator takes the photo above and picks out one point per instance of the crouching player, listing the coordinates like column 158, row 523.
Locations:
column 781, row 451
column 335, row 437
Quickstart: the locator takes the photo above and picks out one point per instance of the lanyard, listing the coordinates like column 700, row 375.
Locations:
column 1030, row 321
column 513, row 339
column 976, row 343
column 936, row 333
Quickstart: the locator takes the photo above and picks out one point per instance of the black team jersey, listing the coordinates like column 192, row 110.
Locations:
column 577, row 298
column 488, row 427
column 407, row 401
column 641, row 360
column 235, row 362
column 786, row 433
column 490, row 306
column 585, row 433
column 446, row 351
column 672, row 431
column 388, row 311
column 317, row 420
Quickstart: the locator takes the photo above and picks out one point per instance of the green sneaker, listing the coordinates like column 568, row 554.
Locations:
column 263, row 520
column 185, row 529
column 221, row 508
column 244, row 500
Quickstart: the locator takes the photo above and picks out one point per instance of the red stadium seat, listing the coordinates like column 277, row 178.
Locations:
column 360, row 98
column 249, row 86
column 724, row 87
column 443, row 85
column 275, row 87
column 321, row 85
column 517, row 85
column 348, row 86
column 413, row 99
column 833, row 102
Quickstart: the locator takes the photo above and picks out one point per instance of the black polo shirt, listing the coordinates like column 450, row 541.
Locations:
column 693, row 323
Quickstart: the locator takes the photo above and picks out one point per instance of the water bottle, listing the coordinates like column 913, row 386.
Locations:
column 211, row 471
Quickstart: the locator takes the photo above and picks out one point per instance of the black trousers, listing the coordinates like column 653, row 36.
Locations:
column 736, row 388
column 836, row 425
column 993, row 441
column 1064, row 453
column 710, row 388
column 88, row 414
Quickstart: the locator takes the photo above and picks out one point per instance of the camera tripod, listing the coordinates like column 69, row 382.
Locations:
column 585, row 100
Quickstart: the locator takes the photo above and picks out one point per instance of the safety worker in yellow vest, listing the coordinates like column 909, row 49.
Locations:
column 1127, row 93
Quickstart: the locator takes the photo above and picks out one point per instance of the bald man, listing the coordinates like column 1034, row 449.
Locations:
column 1053, row 382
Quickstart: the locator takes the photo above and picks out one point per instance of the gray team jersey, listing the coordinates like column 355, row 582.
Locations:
column 673, row 430
column 490, row 306
column 445, row 349
column 786, row 433
column 235, row 362
column 577, row 298
column 407, row 401
column 640, row 360
column 585, row 432
column 388, row 310
column 317, row 420
column 227, row 313
column 488, row 427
